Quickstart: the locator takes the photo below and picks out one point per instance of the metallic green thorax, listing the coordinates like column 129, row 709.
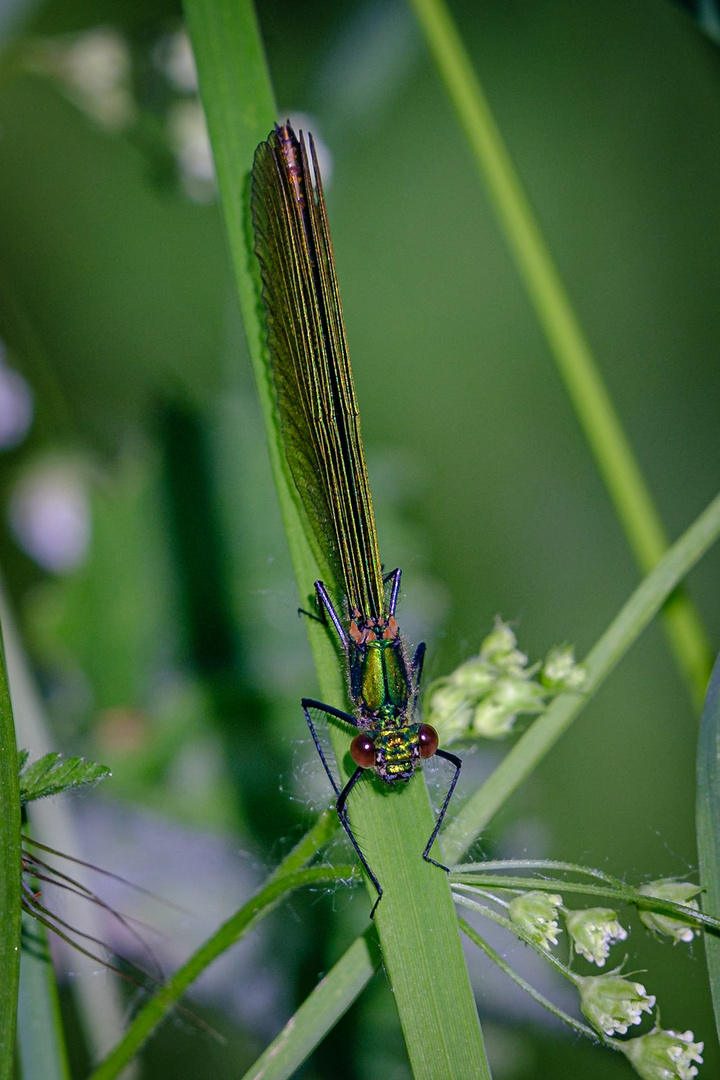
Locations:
column 381, row 689
column 379, row 681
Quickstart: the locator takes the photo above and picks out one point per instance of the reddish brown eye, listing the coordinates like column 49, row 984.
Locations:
column 427, row 740
column 362, row 751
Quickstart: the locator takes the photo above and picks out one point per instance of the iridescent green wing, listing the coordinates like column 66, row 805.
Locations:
column 318, row 410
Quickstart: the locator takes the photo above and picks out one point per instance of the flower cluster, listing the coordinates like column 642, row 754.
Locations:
column 95, row 70
column 611, row 1002
column 485, row 695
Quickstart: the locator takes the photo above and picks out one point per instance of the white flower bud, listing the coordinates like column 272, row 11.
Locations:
column 612, row 1003
column 593, row 931
column 664, row 1055
column 536, row 913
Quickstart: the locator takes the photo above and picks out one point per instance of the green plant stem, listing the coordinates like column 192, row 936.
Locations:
column 100, row 1009
column 618, row 894
column 607, row 440
column 331, row 998
column 627, row 626
column 228, row 935
column 10, row 878
column 41, row 1039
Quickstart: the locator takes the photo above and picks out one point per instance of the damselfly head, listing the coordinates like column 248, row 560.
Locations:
column 395, row 753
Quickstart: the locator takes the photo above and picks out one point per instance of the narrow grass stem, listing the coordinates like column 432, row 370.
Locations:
column 618, row 895
column 10, row 878
column 578, row 369
column 577, row 1025
column 625, row 628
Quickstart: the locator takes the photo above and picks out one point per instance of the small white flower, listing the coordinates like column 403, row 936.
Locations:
column 536, row 913
column 16, row 405
column 664, row 1055
column 674, row 926
column 499, row 648
column 50, row 514
column 175, row 57
column 612, row 1003
column 560, row 671
column 593, row 931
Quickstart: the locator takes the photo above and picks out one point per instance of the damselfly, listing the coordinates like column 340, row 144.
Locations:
column 320, row 426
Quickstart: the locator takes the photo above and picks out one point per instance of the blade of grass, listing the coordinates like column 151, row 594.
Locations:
column 332, row 997
column 608, row 442
column 427, row 970
column 708, row 825
column 41, row 1041
column 632, row 619
column 10, row 878
column 289, row 875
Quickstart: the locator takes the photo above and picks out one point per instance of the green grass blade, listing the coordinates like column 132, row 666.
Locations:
column 10, row 876
column 708, row 826
column 427, row 970
column 418, row 932
column 607, row 440
column 41, row 1041
column 329, row 1000
column 644, row 603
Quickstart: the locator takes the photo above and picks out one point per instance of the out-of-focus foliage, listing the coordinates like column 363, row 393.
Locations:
column 140, row 539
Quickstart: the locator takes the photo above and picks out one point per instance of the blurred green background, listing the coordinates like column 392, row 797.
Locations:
column 140, row 540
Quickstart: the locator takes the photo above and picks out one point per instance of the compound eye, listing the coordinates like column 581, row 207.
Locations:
column 427, row 740
column 362, row 751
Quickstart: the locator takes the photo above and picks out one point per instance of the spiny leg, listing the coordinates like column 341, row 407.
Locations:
column 342, row 814
column 342, row 796
column 326, row 605
column 454, row 760
column 416, row 667
column 394, row 576
column 309, row 703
